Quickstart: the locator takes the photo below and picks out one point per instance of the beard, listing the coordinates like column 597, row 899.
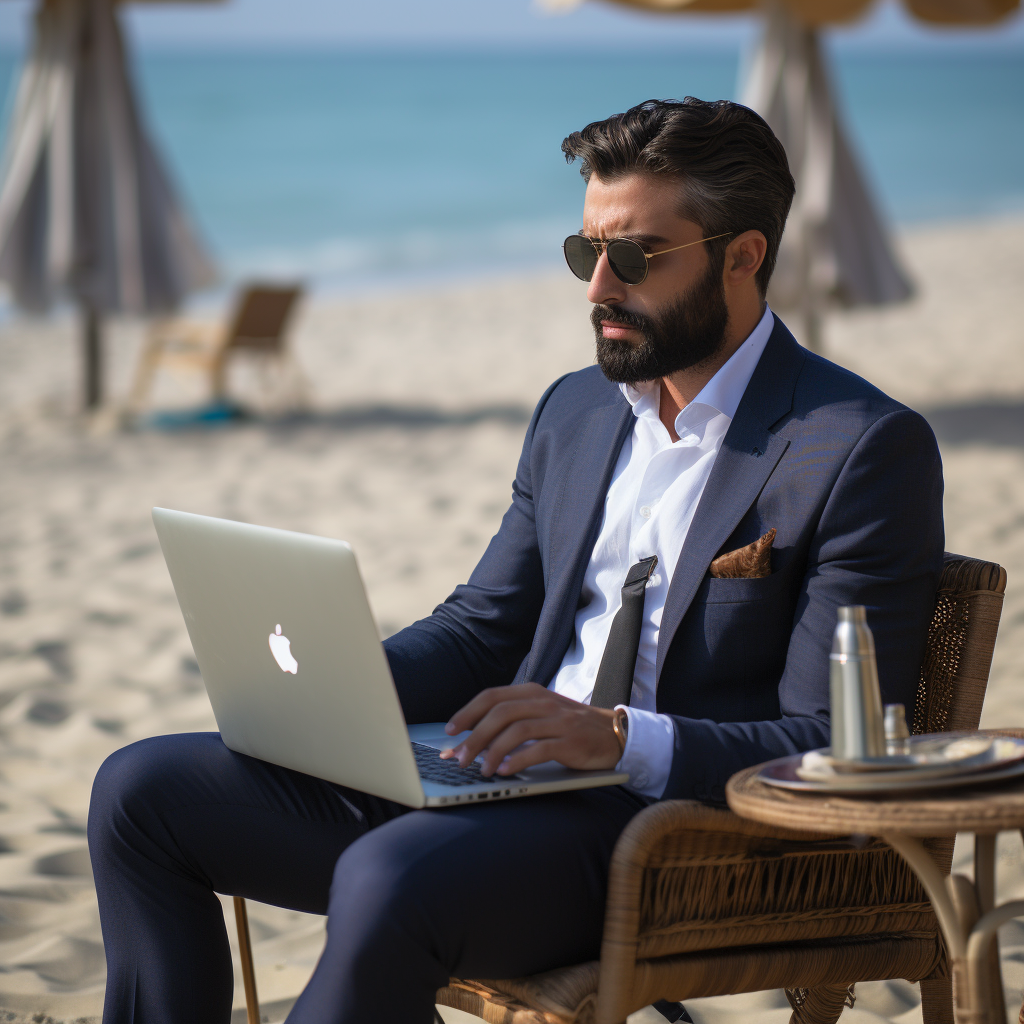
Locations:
column 686, row 333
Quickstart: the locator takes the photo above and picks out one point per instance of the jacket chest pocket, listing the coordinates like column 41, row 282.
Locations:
column 744, row 626
column 736, row 591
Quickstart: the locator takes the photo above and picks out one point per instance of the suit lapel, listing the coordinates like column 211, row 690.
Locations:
column 749, row 454
column 574, row 527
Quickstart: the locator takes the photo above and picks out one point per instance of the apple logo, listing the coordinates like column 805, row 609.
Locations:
column 281, row 648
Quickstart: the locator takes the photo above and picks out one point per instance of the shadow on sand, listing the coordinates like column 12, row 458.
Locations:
column 217, row 416
column 996, row 422
column 420, row 417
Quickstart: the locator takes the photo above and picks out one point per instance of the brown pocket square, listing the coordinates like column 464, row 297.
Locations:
column 749, row 563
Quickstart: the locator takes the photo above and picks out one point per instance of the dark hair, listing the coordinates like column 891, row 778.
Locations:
column 733, row 171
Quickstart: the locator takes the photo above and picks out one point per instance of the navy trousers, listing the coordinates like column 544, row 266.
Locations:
column 411, row 897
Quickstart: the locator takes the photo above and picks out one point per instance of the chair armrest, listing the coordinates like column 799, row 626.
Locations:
column 685, row 876
column 699, row 827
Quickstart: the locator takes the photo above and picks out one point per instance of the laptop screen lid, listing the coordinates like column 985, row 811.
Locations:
column 288, row 649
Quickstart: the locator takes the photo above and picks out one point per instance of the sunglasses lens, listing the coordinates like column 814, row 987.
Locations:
column 581, row 256
column 627, row 260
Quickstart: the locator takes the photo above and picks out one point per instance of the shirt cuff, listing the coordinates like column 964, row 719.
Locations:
column 650, row 745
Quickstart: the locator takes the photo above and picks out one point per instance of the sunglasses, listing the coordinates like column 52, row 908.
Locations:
column 626, row 257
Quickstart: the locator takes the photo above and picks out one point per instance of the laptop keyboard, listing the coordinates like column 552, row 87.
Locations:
column 433, row 769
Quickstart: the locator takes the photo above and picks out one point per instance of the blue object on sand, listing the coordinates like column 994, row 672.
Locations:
column 215, row 414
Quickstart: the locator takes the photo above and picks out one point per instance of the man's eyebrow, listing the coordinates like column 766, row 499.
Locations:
column 640, row 237
column 647, row 239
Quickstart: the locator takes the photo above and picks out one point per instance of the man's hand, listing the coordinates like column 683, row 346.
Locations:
column 505, row 717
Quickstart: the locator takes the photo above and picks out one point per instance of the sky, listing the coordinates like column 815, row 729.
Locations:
column 479, row 23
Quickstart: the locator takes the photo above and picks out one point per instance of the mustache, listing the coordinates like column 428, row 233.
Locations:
column 637, row 321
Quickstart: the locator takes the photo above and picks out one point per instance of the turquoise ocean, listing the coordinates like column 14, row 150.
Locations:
column 356, row 169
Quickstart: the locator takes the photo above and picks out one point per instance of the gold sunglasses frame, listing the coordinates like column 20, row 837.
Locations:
column 601, row 245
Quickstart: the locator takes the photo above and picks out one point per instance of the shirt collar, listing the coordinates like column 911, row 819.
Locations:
column 724, row 391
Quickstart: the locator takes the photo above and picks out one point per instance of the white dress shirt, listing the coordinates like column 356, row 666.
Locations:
column 648, row 509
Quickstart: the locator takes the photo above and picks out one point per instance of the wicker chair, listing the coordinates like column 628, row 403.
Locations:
column 702, row 902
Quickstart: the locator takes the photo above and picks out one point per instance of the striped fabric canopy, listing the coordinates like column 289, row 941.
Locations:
column 87, row 211
column 835, row 12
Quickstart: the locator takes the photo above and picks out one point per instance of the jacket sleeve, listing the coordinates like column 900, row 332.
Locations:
column 479, row 636
column 879, row 543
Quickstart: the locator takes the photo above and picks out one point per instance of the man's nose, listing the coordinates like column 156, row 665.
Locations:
column 605, row 288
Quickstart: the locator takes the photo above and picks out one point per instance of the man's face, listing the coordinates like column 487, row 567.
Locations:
column 675, row 319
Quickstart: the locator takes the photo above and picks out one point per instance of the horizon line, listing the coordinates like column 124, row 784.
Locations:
column 529, row 46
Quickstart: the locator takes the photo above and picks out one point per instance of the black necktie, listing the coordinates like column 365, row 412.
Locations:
column 615, row 676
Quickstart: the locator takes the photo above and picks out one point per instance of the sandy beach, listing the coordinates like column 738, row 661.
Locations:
column 420, row 399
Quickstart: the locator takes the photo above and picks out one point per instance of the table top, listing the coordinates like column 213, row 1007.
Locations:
column 985, row 810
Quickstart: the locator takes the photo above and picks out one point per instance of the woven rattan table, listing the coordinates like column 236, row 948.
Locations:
column 966, row 910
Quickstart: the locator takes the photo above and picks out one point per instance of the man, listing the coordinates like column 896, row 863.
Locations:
column 771, row 486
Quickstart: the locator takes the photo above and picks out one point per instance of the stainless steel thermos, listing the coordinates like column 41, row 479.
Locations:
column 857, row 728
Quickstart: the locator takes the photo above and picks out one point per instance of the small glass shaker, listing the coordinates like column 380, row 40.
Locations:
column 897, row 735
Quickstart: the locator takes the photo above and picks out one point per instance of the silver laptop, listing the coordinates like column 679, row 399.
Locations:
column 296, row 673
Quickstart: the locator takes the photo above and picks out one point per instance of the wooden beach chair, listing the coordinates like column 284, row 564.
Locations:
column 703, row 903
column 257, row 327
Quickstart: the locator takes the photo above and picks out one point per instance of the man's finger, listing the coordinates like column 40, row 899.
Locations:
column 527, row 757
column 468, row 716
column 515, row 735
column 583, row 740
column 498, row 718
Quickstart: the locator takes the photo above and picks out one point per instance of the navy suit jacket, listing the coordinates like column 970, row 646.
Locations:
column 851, row 481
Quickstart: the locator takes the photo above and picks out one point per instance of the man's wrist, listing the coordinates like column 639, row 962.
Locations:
column 620, row 726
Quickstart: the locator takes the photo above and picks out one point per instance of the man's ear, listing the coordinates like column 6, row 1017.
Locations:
column 744, row 256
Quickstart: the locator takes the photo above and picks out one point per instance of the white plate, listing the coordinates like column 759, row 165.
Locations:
column 953, row 750
column 782, row 773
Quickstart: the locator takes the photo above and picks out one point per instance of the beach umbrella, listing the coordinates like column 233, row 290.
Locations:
column 836, row 248
column 87, row 212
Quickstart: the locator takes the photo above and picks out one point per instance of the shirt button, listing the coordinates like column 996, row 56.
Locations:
column 640, row 781
column 645, row 511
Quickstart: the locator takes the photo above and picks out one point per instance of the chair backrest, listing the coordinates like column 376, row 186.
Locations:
column 961, row 639
column 261, row 316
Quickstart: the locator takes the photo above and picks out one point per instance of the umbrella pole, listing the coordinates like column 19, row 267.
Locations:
column 811, row 300
column 812, row 329
column 92, row 357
